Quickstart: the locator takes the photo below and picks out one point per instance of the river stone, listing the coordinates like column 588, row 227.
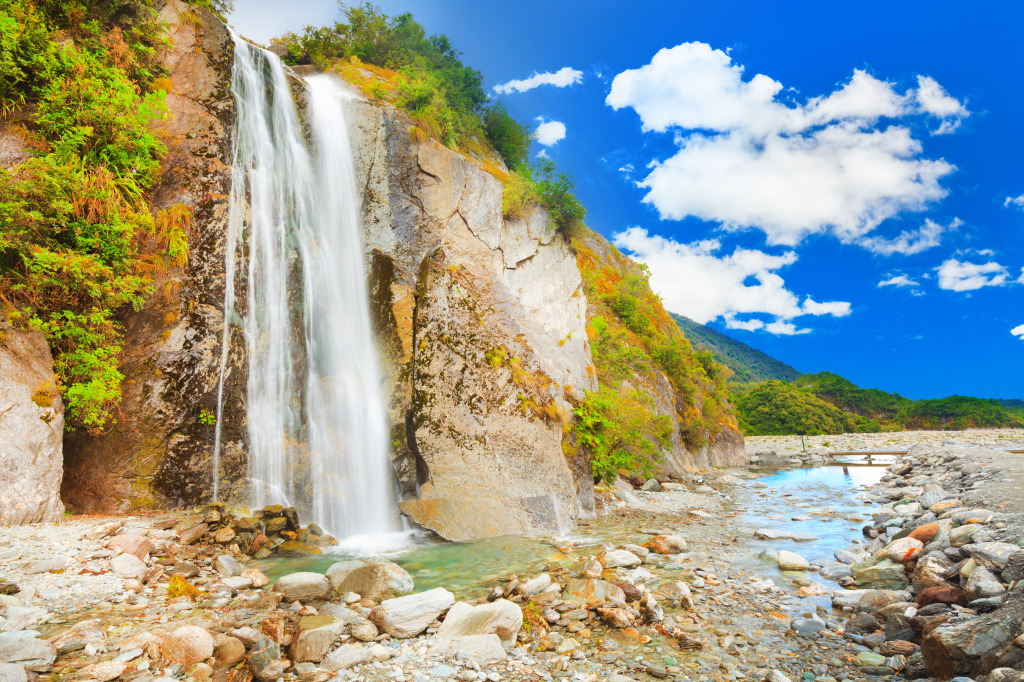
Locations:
column 227, row 565
column 23, row 647
column 264, row 660
column 925, row 532
column 774, row 534
column 879, row 572
column 903, row 550
column 931, row 494
column 11, row 672
column 993, row 555
column 535, row 585
column 789, row 561
column 806, row 626
column 941, row 594
column 864, row 600
column 464, row 519
column 482, row 650
column 131, row 543
column 364, row 630
column 835, row 571
column 675, row 589
column 619, row 558
column 869, row 659
column 81, row 633
column 314, row 637
column 103, row 671
column 953, row 649
column 375, row 579
column 850, row 556
column 963, row 535
column 303, row 586
column 410, row 615
column 129, row 566
column 187, row 645
column 500, row 617
column 666, row 544
column 589, row 591
column 229, row 652
column 983, row 584
column 347, row 656
column 31, row 430
column 978, row 516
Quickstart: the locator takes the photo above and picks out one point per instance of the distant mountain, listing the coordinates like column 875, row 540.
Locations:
column 748, row 363
column 772, row 398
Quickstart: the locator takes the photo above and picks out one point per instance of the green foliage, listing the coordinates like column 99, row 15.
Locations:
column 957, row 412
column 207, row 418
column 844, row 394
column 775, row 408
column 749, row 365
column 222, row 8
column 542, row 184
column 621, row 430
column 510, row 138
column 74, row 214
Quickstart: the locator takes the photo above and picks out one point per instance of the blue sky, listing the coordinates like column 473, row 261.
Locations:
column 840, row 187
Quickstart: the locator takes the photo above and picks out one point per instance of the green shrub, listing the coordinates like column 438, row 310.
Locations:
column 510, row 138
column 621, row 430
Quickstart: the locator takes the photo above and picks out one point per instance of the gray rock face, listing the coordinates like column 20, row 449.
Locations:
column 31, row 429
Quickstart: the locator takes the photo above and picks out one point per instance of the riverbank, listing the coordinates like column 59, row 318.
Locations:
column 706, row 608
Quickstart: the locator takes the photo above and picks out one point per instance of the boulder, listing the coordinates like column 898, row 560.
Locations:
column 12, row 672
column 941, row 594
column 347, row 656
column 264, row 660
column 666, row 544
column 31, row 430
column 954, row 648
column 979, row 516
column 314, row 637
column 227, row 565
column 588, row 591
column 963, row 535
column 983, row 584
column 500, row 617
column 187, row 645
column 129, row 566
column 25, row 648
column 482, row 650
column 790, row 561
column 130, row 543
column 258, row 578
column 190, row 535
column 903, row 550
column 464, row 519
column 410, row 615
column 104, row 671
column 675, row 589
column 835, row 571
column 534, row 586
column 931, row 494
column 81, row 633
column 229, row 652
column 303, row 586
column 993, row 555
column 375, row 579
column 930, row 572
column 615, row 616
column 864, row 600
column 925, row 532
column 619, row 558
column 879, row 572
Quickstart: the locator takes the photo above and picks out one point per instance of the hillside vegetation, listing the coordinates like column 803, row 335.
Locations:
column 749, row 365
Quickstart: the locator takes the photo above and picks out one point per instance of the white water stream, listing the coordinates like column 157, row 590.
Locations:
column 317, row 428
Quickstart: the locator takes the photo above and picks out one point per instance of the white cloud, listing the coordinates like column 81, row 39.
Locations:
column 1015, row 202
column 563, row 77
column 957, row 275
column 748, row 160
column 549, row 132
column 910, row 241
column 1018, row 331
column 695, row 281
column 933, row 99
column 898, row 281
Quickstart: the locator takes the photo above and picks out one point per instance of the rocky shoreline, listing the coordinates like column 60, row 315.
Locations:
column 653, row 588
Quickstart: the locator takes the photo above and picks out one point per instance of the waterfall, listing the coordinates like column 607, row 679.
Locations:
column 317, row 428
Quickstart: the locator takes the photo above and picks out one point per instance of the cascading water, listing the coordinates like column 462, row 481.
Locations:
column 317, row 428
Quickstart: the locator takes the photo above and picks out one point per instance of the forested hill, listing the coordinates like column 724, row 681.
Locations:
column 748, row 364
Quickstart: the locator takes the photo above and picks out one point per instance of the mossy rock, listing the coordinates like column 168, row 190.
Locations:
column 296, row 548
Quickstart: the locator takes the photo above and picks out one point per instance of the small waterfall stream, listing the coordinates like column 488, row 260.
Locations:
column 317, row 428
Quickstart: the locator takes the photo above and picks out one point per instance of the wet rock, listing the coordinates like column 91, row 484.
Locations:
column 227, row 565
column 789, row 561
column 187, row 645
column 835, row 571
column 24, row 648
column 849, row 556
column 993, row 555
column 129, row 566
column 103, row 671
column 666, row 544
column 619, row 558
column 130, row 543
column 303, row 586
column 408, row 616
column 775, row 534
column 229, row 651
column 481, row 650
column 879, row 572
column 81, row 633
column 264, row 660
column 930, row 572
column 589, row 591
column 903, row 550
column 534, row 586
column 501, row 618
column 616, row 617
column 864, row 600
column 806, row 626
column 676, row 589
column 869, row 659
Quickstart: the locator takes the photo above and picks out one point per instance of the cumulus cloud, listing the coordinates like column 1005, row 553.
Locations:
column 910, row 242
column 1015, row 202
column 696, row 281
column 933, row 99
column 955, row 275
column 1018, row 331
column 898, row 281
column 548, row 132
column 562, row 78
column 748, row 160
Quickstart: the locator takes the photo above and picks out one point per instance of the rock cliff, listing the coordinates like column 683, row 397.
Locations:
column 31, row 429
